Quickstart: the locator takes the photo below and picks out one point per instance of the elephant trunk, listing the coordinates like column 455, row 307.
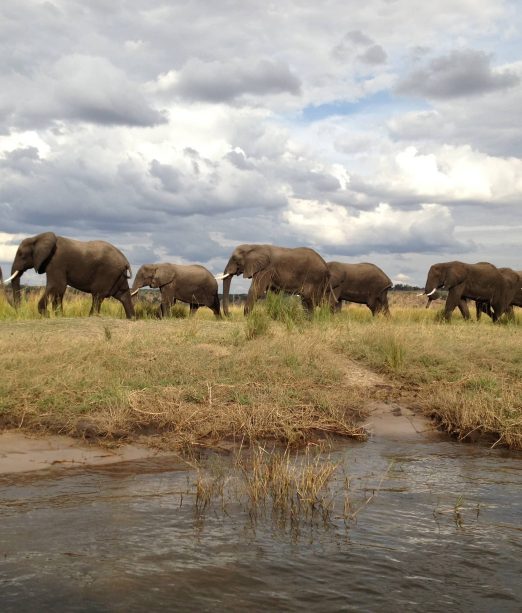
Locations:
column 138, row 284
column 15, row 286
column 226, row 292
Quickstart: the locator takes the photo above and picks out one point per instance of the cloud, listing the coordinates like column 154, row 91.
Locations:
column 383, row 229
column 77, row 88
column 218, row 81
column 445, row 174
column 490, row 124
column 373, row 55
column 463, row 72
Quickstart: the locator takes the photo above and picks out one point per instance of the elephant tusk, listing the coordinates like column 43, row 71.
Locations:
column 220, row 277
column 421, row 294
column 135, row 292
column 13, row 276
column 432, row 292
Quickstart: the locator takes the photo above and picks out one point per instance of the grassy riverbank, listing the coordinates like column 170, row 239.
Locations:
column 198, row 381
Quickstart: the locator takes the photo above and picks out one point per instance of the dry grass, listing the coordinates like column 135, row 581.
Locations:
column 294, row 489
column 274, row 375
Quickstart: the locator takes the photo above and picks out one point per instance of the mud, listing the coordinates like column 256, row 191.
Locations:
column 393, row 421
column 20, row 452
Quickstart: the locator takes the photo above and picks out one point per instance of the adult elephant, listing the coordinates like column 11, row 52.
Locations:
column 482, row 281
column 297, row 270
column 190, row 283
column 95, row 267
column 362, row 283
column 508, row 273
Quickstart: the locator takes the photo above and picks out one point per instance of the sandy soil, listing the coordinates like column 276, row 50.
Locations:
column 23, row 453
column 394, row 421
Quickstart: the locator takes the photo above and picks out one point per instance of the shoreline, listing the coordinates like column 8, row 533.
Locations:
column 23, row 452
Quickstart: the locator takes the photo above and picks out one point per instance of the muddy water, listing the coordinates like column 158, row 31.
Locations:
column 442, row 533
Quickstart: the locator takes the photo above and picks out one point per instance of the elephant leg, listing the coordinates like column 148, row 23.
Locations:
column 373, row 304
column 308, row 305
column 167, row 300
column 464, row 310
column 121, row 292
column 54, row 291
column 96, row 305
column 337, row 307
column 384, row 307
column 215, row 307
column 193, row 308
column 123, row 296
column 453, row 301
column 57, row 303
column 42, row 304
column 260, row 284
column 510, row 313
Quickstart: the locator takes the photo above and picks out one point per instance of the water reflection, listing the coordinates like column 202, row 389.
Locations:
column 441, row 531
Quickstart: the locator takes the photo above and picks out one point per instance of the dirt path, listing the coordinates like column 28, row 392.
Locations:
column 387, row 420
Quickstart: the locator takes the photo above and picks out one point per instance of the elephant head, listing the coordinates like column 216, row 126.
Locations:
column 34, row 252
column 152, row 275
column 447, row 275
column 246, row 260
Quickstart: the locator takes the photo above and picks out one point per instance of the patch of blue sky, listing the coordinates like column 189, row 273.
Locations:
column 383, row 102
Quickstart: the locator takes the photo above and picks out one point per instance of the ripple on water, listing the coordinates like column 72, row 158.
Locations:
column 443, row 532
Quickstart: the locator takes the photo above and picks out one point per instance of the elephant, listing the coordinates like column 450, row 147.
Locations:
column 462, row 305
column 298, row 270
column 485, row 307
column 362, row 283
column 95, row 267
column 190, row 283
column 482, row 282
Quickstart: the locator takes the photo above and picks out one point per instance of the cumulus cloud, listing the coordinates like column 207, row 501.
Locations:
column 383, row 229
column 491, row 124
column 76, row 88
column 463, row 72
column 446, row 174
column 217, row 81
column 176, row 130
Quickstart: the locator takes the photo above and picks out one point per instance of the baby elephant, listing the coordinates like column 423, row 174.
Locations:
column 189, row 283
column 362, row 283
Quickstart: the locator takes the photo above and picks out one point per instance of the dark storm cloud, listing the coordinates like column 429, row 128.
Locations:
column 460, row 73
column 226, row 81
column 76, row 190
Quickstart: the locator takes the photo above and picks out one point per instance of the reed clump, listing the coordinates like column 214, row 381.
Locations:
column 291, row 488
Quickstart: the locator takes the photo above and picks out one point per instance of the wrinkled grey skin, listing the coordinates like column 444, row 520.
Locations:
column 190, row 283
column 485, row 307
column 462, row 305
column 362, row 283
column 298, row 271
column 482, row 282
column 95, row 267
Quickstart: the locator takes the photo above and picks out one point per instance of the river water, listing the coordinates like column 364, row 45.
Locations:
column 442, row 532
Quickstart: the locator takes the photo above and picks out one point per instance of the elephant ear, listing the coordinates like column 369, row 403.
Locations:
column 455, row 274
column 255, row 261
column 162, row 276
column 44, row 247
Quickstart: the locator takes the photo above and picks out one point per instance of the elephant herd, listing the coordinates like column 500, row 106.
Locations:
column 99, row 268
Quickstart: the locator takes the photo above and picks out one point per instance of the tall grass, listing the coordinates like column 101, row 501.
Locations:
column 275, row 374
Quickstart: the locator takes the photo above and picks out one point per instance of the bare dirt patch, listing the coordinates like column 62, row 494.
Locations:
column 22, row 453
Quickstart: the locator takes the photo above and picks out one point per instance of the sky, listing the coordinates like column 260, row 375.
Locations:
column 387, row 131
